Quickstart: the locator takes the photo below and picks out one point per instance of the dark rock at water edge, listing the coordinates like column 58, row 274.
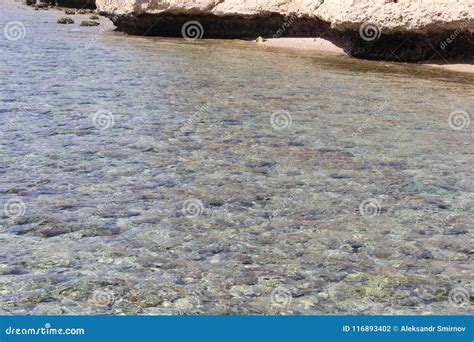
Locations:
column 405, row 47
column 413, row 47
column 65, row 20
column 41, row 5
column 228, row 27
column 89, row 23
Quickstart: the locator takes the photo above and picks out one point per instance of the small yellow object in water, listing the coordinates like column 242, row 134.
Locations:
column 259, row 39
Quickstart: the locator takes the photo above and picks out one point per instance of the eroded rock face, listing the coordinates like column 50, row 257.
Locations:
column 214, row 26
column 416, row 16
column 380, row 29
column 399, row 16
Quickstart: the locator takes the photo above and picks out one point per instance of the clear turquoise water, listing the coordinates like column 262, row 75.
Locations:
column 105, row 138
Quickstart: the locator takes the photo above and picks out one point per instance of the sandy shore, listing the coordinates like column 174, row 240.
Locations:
column 313, row 44
column 338, row 46
column 454, row 66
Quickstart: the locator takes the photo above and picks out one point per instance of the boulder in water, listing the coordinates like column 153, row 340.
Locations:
column 65, row 20
column 89, row 23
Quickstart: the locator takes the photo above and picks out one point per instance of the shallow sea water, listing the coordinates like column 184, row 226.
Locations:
column 158, row 176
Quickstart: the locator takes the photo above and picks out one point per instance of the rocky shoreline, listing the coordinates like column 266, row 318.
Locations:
column 406, row 31
column 403, row 47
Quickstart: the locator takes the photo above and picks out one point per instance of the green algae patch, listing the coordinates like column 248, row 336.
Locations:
column 380, row 286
